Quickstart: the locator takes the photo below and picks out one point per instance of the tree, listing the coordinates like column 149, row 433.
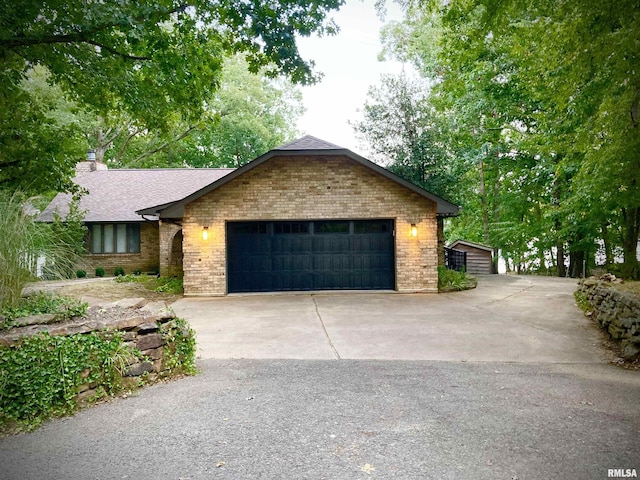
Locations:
column 248, row 115
column 401, row 129
column 149, row 59
column 563, row 74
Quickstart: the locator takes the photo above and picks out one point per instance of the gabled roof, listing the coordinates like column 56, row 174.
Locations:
column 309, row 142
column 115, row 195
column 471, row 244
column 307, row 145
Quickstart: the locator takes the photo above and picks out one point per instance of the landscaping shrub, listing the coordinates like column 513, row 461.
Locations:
column 99, row 272
column 81, row 274
column 118, row 272
column 453, row 280
column 23, row 241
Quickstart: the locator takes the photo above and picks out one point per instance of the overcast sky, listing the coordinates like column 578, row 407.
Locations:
column 349, row 61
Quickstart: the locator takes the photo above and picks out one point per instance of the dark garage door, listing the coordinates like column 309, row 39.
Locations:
column 319, row 255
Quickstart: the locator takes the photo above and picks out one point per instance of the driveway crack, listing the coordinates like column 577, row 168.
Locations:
column 324, row 329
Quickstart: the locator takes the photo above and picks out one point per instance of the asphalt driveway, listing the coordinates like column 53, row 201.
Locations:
column 505, row 319
column 522, row 395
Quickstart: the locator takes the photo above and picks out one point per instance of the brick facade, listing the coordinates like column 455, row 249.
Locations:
column 309, row 188
column 170, row 250
column 146, row 260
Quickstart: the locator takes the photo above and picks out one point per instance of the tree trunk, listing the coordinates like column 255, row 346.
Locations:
column 483, row 205
column 562, row 268
column 576, row 263
column 631, row 218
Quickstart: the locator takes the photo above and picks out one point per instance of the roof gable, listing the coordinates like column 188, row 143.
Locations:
column 467, row 243
column 307, row 145
column 309, row 142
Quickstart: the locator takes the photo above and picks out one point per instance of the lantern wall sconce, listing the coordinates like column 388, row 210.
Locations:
column 414, row 230
column 205, row 233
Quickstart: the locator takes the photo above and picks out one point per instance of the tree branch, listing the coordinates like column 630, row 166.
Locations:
column 85, row 36
column 164, row 145
column 118, row 156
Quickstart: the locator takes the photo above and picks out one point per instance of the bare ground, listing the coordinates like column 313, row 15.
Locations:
column 97, row 291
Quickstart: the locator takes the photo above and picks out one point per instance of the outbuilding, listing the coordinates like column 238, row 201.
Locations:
column 479, row 258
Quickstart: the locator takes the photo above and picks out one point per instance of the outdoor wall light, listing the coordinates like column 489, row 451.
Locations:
column 414, row 230
column 205, row 233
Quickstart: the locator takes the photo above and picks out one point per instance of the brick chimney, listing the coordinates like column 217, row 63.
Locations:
column 90, row 164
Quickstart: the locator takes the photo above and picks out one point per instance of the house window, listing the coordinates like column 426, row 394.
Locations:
column 114, row 238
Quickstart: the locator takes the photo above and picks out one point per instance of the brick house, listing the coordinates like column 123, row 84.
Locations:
column 308, row 215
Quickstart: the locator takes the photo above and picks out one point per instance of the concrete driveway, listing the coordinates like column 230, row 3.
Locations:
column 505, row 319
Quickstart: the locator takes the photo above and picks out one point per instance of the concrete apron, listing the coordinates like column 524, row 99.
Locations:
column 506, row 319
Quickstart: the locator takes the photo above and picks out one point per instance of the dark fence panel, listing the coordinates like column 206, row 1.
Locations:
column 455, row 259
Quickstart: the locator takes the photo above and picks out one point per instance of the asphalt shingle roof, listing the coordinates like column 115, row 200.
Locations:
column 309, row 142
column 115, row 195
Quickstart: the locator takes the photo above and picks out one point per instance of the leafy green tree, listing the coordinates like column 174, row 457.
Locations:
column 400, row 126
column 150, row 60
column 40, row 135
column 563, row 74
column 249, row 115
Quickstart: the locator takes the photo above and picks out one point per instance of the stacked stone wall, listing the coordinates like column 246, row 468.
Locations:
column 145, row 328
column 616, row 312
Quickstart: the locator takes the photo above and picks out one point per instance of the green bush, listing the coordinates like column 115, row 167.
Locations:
column 40, row 377
column 137, row 271
column 170, row 285
column 81, row 273
column 99, row 272
column 453, row 280
column 118, row 272
column 44, row 302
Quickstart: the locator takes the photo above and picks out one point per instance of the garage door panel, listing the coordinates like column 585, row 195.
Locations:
column 283, row 256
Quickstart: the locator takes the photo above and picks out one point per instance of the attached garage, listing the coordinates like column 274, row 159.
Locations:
column 310, row 255
column 306, row 216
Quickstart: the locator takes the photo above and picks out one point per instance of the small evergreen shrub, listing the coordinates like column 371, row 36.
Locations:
column 99, row 272
column 119, row 272
column 81, row 274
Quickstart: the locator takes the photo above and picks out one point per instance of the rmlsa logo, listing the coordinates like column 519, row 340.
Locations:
column 622, row 473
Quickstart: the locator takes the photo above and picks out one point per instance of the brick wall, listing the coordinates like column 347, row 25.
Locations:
column 147, row 260
column 308, row 188
column 170, row 250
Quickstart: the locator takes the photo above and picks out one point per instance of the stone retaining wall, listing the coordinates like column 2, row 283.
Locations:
column 616, row 312
column 145, row 328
